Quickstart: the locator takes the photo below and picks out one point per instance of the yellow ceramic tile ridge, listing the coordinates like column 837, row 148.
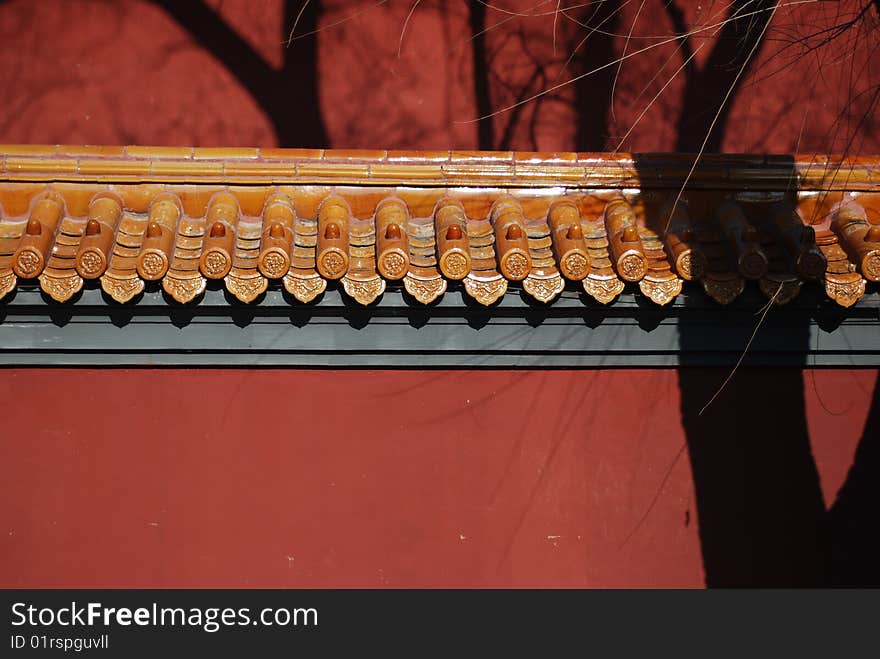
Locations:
column 246, row 165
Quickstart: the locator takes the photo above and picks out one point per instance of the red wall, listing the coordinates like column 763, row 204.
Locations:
column 123, row 72
column 309, row 478
column 318, row 478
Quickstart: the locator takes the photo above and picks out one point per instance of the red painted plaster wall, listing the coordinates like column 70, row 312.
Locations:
column 353, row 478
column 236, row 478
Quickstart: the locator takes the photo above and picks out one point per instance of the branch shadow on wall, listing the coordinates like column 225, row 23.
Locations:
column 289, row 95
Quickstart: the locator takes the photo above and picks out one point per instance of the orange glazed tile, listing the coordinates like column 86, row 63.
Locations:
column 182, row 152
column 16, row 199
column 87, row 150
column 194, row 199
column 537, row 157
column 77, row 196
column 856, row 175
column 137, row 198
column 591, row 158
column 405, row 172
column 251, row 198
column 42, row 165
column 332, row 170
column 292, row 154
column 223, row 153
column 28, row 149
column 199, row 169
column 803, row 159
column 479, row 171
column 541, row 172
column 259, row 169
column 114, row 167
column 418, row 156
column 354, row 154
column 481, row 156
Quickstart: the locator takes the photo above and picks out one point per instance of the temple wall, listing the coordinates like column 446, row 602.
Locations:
column 313, row 478
column 316, row 478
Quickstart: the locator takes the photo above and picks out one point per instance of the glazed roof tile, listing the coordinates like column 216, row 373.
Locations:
column 132, row 217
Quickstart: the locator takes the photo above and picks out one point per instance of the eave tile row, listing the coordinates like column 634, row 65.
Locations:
column 541, row 239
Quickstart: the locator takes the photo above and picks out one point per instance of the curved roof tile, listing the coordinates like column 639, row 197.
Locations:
column 296, row 219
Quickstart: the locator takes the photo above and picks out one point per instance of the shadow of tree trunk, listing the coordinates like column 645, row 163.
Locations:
column 592, row 93
column 710, row 91
column 482, row 93
column 290, row 95
column 854, row 521
column 759, row 500
column 761, row 513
